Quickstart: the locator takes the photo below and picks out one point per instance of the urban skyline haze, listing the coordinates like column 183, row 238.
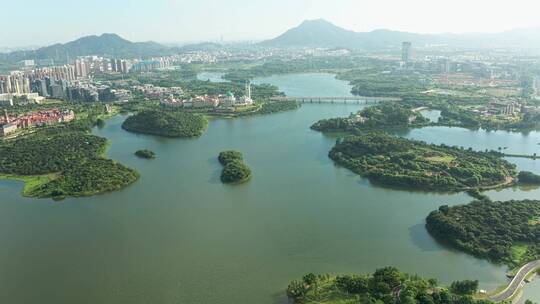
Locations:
column 176, row 21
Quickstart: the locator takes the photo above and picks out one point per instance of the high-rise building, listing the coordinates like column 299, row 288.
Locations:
column 248, row 90
column 406, row 52
column 113, row 65
column 8, row 84
column 125, row 68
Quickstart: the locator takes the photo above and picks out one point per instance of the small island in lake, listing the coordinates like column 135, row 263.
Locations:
column 166, row 123
column 528, row 178
column 145, row 154
column 235, row 171
column 404, row 163
column 385, row 285
column 502, row 232
column 382, row 116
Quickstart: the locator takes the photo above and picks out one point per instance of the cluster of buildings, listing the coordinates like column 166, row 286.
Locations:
column 150, row 91
column 72, row 81
column 152, row 64
column 508, row 107
column 226, row 102
column 9, row 124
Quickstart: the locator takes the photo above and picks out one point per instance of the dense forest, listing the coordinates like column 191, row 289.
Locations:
column 503, row 232
column 383, row 115
column 385, row 286
column 74, row 156
column 234, row 169
column 166, row 123
column 375, row 83
column 400, row 162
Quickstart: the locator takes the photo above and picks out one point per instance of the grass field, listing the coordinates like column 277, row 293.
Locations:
column 31, row 181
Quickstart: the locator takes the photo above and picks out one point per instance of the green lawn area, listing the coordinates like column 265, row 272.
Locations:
column 31, row 181
column 534, row 221
column 440, row 159
column 518, row 252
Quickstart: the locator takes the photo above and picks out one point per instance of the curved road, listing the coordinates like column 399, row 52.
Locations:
column 516, row 283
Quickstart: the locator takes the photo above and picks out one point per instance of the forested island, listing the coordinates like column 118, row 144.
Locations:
column 385, row 285
column 276, row 107
column 528, row 178
column 404, row 163
column 235, row 171
column 166, row 123
column 502, row 232
column 145, row 154
column 382, row 116
column 62, row 161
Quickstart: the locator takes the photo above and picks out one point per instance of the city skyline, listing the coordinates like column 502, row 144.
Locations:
column 185, row 21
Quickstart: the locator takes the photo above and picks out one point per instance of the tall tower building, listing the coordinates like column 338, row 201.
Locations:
column 17, row 86
column 113, row 65
column 6, row 116
column 26, row 85
column 248, row 90
column 125, row 68
column 406, row 52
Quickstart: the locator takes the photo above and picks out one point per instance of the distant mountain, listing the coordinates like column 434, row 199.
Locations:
column 104, row 45
column 315, row 33
column 321, row 33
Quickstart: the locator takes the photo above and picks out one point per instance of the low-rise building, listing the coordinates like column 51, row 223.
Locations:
column 8, row 128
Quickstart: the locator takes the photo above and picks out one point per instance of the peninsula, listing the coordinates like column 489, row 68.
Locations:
column 400, row 162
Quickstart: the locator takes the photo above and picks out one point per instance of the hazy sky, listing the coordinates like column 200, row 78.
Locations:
column 39, row 22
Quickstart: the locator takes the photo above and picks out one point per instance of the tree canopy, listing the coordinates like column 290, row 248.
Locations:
column 400, row 162
column 386, row 286
column 504, row 232
column 166, row 123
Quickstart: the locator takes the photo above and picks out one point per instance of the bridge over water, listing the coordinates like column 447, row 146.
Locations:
column 335, row 99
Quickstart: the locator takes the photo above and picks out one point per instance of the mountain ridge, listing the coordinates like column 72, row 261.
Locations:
column 322, row 33
column 106, row 44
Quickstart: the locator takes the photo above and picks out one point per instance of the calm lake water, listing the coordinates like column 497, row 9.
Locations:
column 179, row 236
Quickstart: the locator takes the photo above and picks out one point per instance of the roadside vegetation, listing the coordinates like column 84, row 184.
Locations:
column 386, row 285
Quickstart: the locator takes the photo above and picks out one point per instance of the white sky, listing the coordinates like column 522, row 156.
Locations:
column 43, row 22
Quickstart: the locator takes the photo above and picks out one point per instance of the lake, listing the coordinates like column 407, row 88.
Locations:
column 180, row 236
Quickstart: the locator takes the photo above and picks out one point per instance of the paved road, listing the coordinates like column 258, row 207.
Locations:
column 516, row 283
